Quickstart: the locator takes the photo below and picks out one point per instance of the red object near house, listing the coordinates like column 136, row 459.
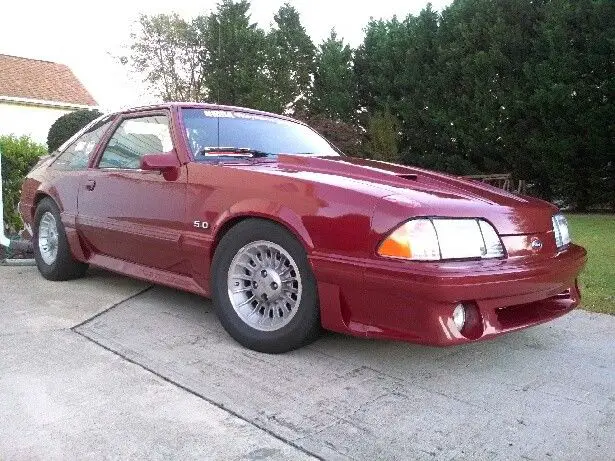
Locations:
column 288, row 235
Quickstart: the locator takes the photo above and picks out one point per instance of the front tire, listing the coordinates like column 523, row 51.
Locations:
column 263, row 288
column 51, row 251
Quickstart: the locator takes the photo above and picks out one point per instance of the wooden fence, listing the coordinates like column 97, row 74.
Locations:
column 503, row 181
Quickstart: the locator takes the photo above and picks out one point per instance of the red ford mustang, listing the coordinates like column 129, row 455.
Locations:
column 288, row 235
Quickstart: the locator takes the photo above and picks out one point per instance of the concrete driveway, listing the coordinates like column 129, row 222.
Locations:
column 106, row 367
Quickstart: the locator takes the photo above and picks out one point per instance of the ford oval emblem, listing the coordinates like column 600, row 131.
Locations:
column 536, row 244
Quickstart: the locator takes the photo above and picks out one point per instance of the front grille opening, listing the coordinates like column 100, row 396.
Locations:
column 525, row 314
column 567, row 294
column 513, row 316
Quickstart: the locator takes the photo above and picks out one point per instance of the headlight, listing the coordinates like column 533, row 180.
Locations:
column 560, row 228
column 432, row 239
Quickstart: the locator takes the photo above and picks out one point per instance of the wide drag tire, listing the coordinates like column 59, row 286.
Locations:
column 51, row 251
column 263, row 288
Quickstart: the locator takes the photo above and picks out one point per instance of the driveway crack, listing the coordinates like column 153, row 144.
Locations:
column 183, row 387
column 113, row 306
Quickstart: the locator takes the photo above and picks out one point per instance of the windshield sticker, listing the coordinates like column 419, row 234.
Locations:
column 248, row 116
column 242, row 115
column 218, row 113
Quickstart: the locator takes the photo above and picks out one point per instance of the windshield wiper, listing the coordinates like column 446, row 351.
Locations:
column 234, row 152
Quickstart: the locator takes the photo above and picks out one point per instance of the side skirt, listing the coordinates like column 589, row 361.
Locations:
column 148, row 274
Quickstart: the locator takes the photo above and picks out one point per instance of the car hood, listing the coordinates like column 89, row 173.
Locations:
column 426, row 192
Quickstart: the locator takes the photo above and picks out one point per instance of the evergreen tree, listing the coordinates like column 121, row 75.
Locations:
column 290, row 61
column 383, row 137
column 233, row 56
column 67, row 125
column 334, row 89
column 573, row 100
column 520, row 86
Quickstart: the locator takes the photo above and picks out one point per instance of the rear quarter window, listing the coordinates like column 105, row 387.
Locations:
column 78, row 154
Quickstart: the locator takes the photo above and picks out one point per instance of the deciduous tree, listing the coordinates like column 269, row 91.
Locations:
column 166, row 50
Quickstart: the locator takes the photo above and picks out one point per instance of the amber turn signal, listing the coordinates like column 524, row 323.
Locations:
column 396, row 245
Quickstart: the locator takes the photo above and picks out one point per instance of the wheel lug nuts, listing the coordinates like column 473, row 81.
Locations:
column 264, row 296
column 274, row 286
column 264, row 273
column 255, row 285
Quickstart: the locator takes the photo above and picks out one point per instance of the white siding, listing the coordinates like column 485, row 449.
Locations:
column 30, row 120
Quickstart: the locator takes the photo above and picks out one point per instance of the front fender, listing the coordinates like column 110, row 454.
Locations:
column 266, row 209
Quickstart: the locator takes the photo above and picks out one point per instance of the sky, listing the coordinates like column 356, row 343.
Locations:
column 88, row 36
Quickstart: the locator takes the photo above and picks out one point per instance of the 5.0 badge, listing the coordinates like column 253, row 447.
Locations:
column 201, row 224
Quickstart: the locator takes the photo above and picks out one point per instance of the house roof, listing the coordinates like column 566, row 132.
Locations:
column 24, row 78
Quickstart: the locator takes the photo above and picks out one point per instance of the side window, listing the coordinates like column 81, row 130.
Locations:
column 135, row 138
column 78, row 155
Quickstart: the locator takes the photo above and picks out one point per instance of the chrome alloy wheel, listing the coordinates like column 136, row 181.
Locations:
column 48, row 238
column 264, row 285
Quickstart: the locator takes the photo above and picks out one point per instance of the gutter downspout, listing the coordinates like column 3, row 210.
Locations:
column 22, row 245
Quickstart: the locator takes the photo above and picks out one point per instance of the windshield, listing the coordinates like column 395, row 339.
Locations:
column 207, row 130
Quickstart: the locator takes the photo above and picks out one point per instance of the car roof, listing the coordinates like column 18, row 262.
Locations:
column 201, row 105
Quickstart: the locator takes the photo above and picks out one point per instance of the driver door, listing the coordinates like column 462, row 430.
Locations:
column 128, row 213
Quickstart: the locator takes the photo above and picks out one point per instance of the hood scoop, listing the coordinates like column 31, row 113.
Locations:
column 408, row 176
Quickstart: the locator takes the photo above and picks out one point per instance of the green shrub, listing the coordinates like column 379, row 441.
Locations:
column 67, row 125
column 19, row 155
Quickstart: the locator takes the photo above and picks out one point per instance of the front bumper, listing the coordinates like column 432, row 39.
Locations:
column 415, row 301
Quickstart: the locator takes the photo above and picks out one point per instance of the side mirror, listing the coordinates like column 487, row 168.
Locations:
column 160, row 162
column 167, row 164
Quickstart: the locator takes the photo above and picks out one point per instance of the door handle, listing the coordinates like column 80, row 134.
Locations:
column 90, row 184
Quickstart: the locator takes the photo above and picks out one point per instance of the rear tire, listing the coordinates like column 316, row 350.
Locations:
column 51, row 250
column 263, row 288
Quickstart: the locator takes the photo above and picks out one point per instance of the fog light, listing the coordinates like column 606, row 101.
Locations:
column 459, row 316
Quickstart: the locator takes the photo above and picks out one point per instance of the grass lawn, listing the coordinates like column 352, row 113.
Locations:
column 597, row 234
